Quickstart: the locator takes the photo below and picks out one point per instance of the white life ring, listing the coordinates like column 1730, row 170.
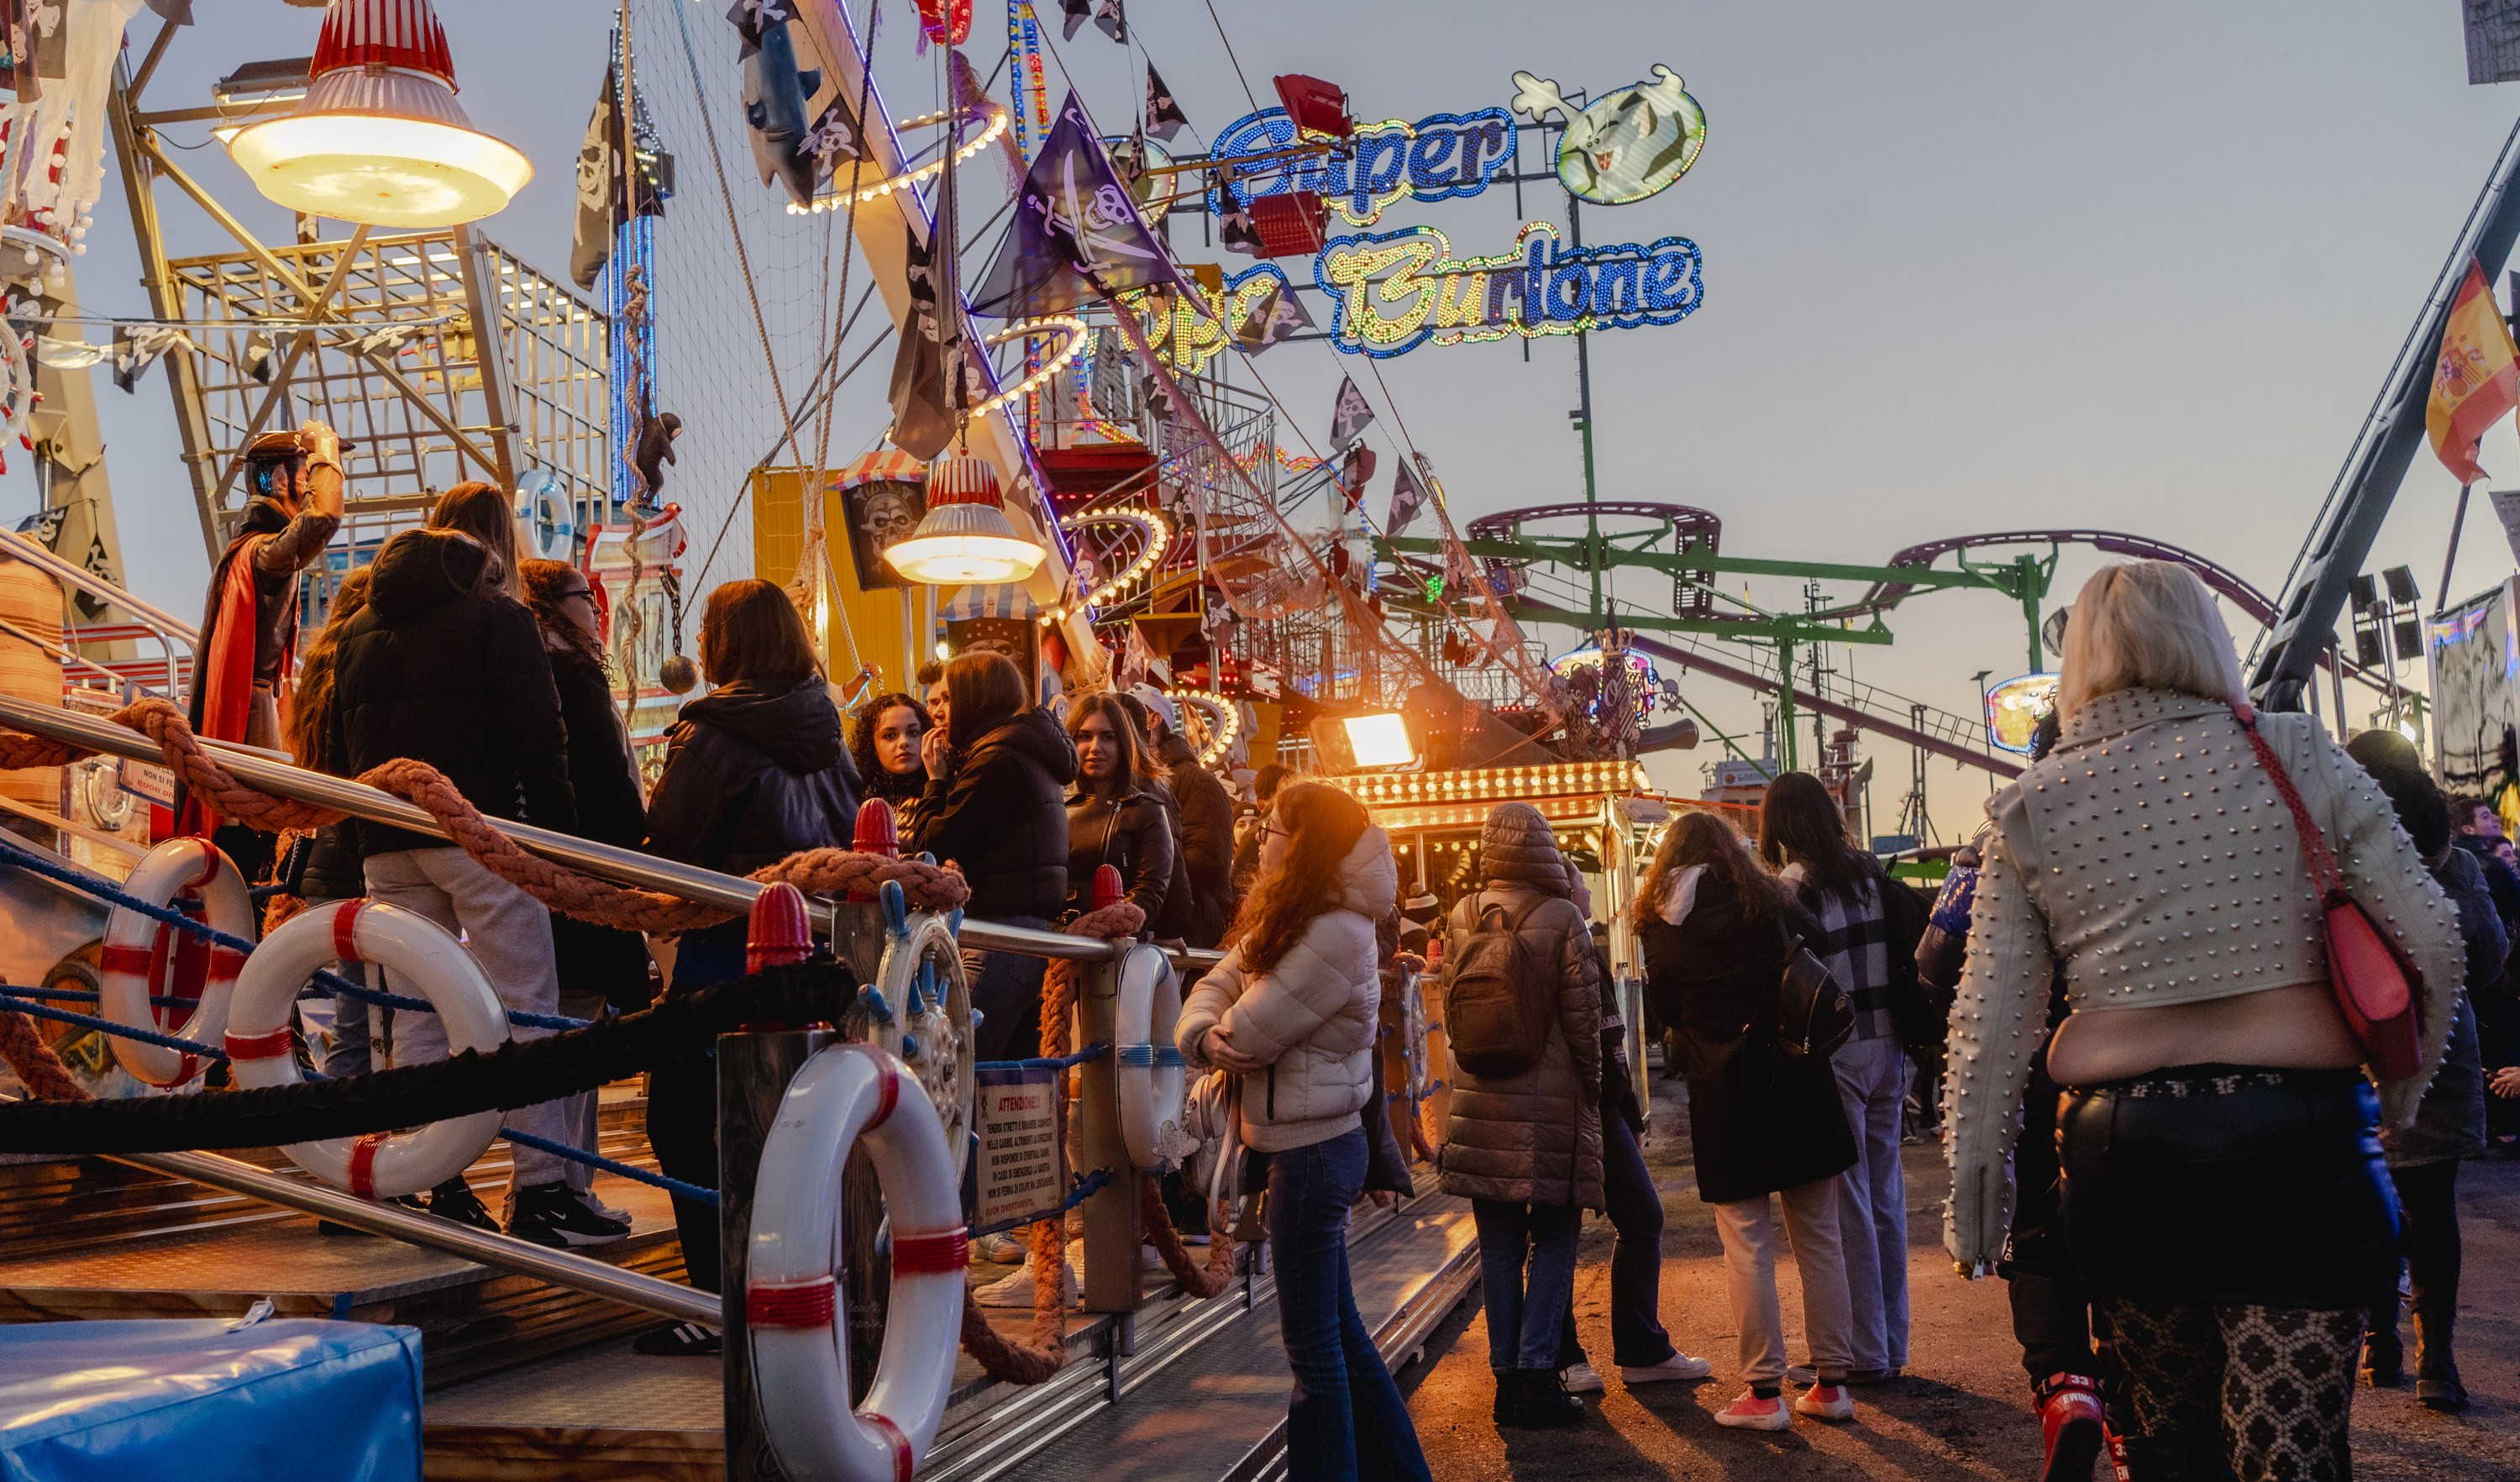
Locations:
column 922, row 983
column 1150, row 1065
column 418, row 951
column 131, row 967
column 800, row 1352
column 545, row 514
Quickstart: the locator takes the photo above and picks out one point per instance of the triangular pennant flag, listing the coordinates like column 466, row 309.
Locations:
column 1164, row 117
column 1349, row 416
column 1408, row 497
column 1077, row 234
column 1278, row 315
column 1356, row 470
column 1078, row 13
column 1113, row 22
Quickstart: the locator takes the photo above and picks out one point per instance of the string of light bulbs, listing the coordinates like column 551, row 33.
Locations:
column 1223, row 731
column 987, row 136
column 1158, row 532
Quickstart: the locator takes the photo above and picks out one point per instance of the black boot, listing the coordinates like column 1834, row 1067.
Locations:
column 1541, row 1400
column 2437, row 1385
column 2383, row 1356
column 1502, row 1412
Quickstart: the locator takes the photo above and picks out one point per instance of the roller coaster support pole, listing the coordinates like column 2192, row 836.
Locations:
column 1112, row 1237
column 1784, row 727
column 2315, row 594
column 753, row 1069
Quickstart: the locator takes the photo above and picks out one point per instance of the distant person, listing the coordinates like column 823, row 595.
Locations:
column 1291, row 1011
column 931, row 691
column 603, row 970
column 1802, row 836
column 884, row 734
column 1265, row 784
column 2449, row 1122
column 1113, row 817
column 1523, row 1141
column 1206, row 821
column 754, row 771
column 996, row 804
column 1763, row 1129
column 445, row 665
column 1171, row 926
column 2225, row 1197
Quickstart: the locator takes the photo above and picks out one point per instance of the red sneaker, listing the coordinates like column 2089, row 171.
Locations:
column 1751, row 1413
column 2071, row 1419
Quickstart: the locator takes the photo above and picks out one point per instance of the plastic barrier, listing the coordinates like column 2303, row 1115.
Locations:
column 1150, row 1068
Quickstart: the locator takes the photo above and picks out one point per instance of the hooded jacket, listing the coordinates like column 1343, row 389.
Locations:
column 1533, row 1138
column 1000, row 811
column 751, row 777
column 1130, row 833
column 1206, row 841
column 454, row 678
column 1310, row 1019
column 594, row 958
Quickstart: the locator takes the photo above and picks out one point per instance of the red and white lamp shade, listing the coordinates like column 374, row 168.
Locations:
column 379, row 138
column 967, row 537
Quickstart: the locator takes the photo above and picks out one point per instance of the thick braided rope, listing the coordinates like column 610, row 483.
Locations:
column 1037, row 1359
column 37, row 1068
column 816, row 872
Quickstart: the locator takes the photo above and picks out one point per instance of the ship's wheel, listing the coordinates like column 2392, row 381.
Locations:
column 921, row 1011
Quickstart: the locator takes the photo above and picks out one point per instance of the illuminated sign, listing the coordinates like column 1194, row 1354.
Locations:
column 1626, row 145
column 1435, row 159
column 2013, row 708
column 1393, row 292
column 1189, row 339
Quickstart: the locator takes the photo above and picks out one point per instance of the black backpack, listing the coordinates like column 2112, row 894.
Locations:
column 1497, row 1001
column 1814, row 1015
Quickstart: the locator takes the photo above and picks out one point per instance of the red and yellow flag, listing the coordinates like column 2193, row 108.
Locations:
column 2476, row 377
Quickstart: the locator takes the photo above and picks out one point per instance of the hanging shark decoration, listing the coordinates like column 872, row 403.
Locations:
column 799, row 124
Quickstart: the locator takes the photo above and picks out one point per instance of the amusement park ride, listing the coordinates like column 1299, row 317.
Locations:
column 1076, row 476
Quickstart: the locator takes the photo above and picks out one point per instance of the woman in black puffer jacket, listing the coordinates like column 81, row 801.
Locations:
column 996, row 805
column 1113, row 817
column 754, row 772
column 883, row 741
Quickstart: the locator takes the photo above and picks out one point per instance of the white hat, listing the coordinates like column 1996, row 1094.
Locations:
column 1157, row 701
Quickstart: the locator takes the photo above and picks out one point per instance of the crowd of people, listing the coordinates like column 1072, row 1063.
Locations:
column 2154, row 1104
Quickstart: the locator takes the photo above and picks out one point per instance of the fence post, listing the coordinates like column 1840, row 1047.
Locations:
column 753, row 1070
column 1113, row 1280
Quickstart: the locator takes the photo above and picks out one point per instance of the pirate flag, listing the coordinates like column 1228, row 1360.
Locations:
column 255, row 360
column 602, row 211
column 1408, row 497
column 1114, row 23
column 1078, row 13
column 1077, row 235
column 1349, row 417
column 1356, row 470
column 137, row 346
column 1277, row 315
column 922, row 413
column 1164, row 117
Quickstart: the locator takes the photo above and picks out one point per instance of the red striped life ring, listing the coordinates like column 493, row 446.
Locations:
column 139, row 951
column 419, row 952
column 800, row 1352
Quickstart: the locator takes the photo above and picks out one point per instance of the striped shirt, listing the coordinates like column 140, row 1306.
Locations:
column 1854, row 944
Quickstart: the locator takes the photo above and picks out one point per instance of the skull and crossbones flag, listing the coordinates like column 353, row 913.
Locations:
column 1164, row 117
column 1408, row 497
column 1277, row 315
column 1348, row 417
column 1077, row 235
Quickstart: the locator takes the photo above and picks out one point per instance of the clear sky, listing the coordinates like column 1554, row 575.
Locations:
column 1968, row 266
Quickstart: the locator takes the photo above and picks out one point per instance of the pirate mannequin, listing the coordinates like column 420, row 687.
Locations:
column 249, row 630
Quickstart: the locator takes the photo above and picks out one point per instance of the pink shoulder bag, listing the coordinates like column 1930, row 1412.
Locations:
column 2374, row 981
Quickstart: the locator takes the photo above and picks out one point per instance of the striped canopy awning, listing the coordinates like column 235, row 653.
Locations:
column 884, row 465
column 1001, row 601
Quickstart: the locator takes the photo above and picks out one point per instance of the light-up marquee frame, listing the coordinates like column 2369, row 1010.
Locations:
column 1395, row 291
column 1436, row 159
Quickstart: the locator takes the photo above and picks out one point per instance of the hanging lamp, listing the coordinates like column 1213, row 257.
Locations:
column 379, row 138
column 966, row 536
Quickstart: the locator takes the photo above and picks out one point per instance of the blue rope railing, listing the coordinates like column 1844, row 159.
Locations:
column 85, row 996
column 10, row 998
column 596, row 1160
column 1052, row 1062
column 1084, row 1188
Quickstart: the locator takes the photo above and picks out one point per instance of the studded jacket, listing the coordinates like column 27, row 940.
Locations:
column 2153, row 858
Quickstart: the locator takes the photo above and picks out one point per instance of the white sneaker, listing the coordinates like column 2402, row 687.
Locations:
column 1014, row 1288
column 1580, row 1379
column 1748, row 1411
column 1000, row 1249
column 1679, row 1366
column 1828, row 1402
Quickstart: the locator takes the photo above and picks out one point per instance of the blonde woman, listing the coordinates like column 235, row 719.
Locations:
column 2223, row 1197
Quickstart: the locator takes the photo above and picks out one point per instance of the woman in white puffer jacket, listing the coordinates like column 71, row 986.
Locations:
column 1291, row 1011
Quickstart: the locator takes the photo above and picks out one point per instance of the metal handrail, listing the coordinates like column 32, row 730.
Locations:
column 254, row 766
column 163, row 626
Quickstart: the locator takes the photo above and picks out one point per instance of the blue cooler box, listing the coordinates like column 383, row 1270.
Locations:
column 206, row 1401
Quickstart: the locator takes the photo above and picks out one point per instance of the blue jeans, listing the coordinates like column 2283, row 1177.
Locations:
column 1638, row 1338
column 1345, row 1421
column 1526, row 1312
column 1873, row 1199
column 1006, row 988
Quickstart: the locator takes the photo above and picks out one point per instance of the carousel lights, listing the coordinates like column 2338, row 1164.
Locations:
column 1559, row 779
column 987, row 136
column 1157, row 530
column 379, row 138
column 1074, row 328
column 1222, row 734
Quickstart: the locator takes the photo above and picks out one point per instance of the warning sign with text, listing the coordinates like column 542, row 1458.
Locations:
column 1021, row 1167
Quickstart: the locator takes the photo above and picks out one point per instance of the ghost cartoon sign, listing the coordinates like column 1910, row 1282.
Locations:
column 1626, row 145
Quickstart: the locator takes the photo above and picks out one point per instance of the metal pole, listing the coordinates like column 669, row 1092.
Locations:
column 557, row 1267
column 752, row 1075
column 1112, row 1237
